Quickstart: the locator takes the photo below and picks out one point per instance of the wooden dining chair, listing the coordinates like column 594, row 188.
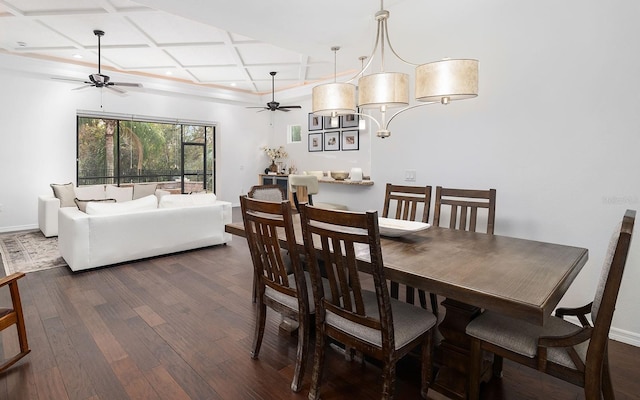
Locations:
column 14, row 316
column 464, row 205
column 364, row 321
column 409, row 203
column 576, row 354
column 288, row 293
column 267, row 192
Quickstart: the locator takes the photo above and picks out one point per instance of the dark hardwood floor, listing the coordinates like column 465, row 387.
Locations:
column 181, row 326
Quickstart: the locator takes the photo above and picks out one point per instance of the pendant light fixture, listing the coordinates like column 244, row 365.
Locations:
column 437, row 82
column 334, row 99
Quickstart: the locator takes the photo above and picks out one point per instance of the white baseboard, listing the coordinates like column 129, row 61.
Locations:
column 5, row 229
column 623, row 336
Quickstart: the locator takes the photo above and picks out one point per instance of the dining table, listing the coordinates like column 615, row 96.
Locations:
column 472, row 272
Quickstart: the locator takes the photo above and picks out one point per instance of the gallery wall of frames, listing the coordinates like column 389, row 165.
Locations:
column 334, row 134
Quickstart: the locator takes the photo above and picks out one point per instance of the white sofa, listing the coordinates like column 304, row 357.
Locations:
column 48, row 204
column 87, row 240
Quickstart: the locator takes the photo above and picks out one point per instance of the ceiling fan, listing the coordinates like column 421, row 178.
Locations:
column 273, row 105
column 100, row 80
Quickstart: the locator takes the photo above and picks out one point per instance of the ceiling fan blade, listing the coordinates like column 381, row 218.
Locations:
column 83, row 86
column 282, row 109
column 126, row 84
column 290, row 107
column 115, row 89
column 68, row 79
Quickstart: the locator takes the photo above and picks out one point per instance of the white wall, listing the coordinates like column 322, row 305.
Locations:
column 38, row 138
column 555, row 129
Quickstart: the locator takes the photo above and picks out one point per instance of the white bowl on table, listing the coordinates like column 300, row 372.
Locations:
column 392, row 227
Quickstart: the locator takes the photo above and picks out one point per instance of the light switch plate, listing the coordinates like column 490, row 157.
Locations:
column 410, row 175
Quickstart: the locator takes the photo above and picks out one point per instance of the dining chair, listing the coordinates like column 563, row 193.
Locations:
column 14, row 316
column 463, row 206
column 303, row 187
column 370, row 322
column 576, row 354
column 410, row 203
column 267, row 192
column 288, row 293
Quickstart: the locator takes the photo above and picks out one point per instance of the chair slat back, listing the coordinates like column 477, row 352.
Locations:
column 266, row 225
column 606, row 296
column 464, row 205
column 407, row 200
column 338, row 238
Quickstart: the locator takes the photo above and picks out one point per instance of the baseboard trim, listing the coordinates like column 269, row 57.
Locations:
column 6, row 229
column 623, row 336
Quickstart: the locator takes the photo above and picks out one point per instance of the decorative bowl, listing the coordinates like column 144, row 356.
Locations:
column 396, row 227
column 339, row 175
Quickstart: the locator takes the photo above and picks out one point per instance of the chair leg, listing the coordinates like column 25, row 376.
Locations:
column 388, row 379
column 301, row 355
column 607, row 385
column 426, row 372
column 475, row 358
column 259, row 331
column 316, row 375
column 254, row 290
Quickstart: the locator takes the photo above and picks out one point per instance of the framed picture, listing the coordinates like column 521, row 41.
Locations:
column 331, row 123
column 294, row 134
column 351, row 140
column 315, row 122
column 350, row 121
column 332, row 141
column 315, row 142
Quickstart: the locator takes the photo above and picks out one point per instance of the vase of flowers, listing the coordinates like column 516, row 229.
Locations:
column 274, row 154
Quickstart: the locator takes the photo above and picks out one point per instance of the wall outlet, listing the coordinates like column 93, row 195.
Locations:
column 410, row 175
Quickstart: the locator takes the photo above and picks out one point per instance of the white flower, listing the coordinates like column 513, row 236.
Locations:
column 275, row 154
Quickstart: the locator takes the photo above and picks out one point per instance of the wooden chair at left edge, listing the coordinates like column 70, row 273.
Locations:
column 14, row 316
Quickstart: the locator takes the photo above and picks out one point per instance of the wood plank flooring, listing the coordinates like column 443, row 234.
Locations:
column 181, row 326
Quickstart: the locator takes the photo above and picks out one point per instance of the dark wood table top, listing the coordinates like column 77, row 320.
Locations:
column 522, row 278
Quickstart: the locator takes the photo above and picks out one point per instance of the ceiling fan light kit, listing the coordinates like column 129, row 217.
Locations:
column 437, row 82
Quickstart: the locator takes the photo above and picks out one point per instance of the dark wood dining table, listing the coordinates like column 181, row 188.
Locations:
column 521, row 278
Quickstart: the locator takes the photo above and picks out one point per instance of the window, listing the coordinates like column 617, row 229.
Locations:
column 179, row 157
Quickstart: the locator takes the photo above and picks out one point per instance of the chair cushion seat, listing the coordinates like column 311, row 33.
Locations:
column 409, row 321
column 292, row 302
column 522, row 337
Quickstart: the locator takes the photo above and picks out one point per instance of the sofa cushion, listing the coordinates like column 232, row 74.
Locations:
column 132, row 206
column 82, row 204
column 121, row 194
column 186, row 200
column 141, row 190
column 64, row 193
column 91, row 192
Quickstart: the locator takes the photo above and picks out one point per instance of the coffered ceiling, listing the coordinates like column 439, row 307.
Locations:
column 215, row 44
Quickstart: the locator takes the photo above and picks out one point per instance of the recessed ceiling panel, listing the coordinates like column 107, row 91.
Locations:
column 217, row 74
column 262, row 53
column 137, row 58
column 167, row 29
column 201, row 55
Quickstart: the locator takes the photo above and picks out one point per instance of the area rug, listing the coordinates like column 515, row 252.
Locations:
column 29, row 251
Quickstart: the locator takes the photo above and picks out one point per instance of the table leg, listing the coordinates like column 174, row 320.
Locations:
column 452, row 354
